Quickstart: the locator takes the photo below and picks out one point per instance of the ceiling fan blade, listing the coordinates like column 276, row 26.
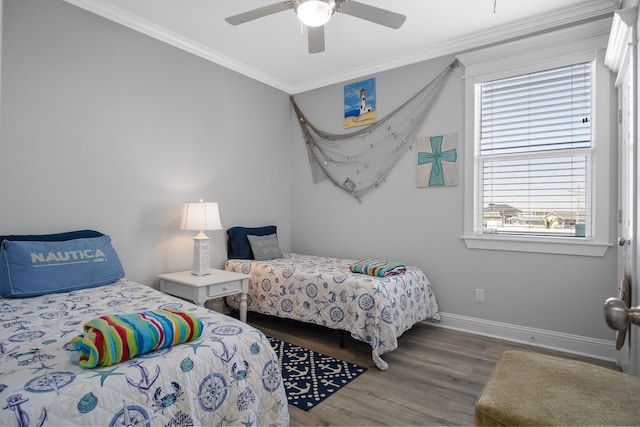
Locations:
column 260, row 12
column 316, row 39
column 372, row 13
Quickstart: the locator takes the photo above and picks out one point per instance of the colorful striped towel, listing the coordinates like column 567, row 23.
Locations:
column 377, row 268
column 108, row 340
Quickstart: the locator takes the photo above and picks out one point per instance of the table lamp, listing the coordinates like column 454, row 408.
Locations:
column 200, row 216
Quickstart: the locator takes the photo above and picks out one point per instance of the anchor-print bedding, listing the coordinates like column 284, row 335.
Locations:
column 229, row 376
column 324, row 291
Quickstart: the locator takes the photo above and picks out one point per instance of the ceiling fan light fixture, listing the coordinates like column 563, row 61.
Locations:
column 314, row 13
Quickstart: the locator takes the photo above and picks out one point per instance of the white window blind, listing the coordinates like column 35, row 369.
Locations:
column 533, row 155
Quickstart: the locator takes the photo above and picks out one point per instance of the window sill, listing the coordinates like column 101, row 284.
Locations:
column 559, row 246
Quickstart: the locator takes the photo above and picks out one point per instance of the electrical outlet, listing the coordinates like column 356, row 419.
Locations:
column 479, row 295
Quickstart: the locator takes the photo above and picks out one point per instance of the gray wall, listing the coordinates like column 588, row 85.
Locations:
column 109, row 129
column 423, row 227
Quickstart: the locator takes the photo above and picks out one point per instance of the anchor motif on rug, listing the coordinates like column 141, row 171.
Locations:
column 295, row 372
column 310, row 377
column 331, row 370
column 297, row 358
column 294, row 386
column 329, row 383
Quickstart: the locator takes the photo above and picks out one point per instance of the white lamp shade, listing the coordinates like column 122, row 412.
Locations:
column 314, row 13
column 200, row 216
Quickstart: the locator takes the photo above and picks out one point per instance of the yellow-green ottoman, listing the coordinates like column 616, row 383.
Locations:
column 533, row 389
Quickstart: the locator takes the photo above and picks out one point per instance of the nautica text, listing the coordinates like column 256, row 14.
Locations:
column 67, row 256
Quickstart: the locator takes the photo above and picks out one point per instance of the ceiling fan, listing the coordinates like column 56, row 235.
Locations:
column 315, row 13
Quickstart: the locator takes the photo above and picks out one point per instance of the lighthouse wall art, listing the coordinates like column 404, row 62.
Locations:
column 360, row 103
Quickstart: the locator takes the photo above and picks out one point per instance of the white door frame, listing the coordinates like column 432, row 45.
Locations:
column 621, row 59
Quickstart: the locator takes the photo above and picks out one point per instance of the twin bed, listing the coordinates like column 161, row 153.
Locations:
column 324, row 291
column 229, row 375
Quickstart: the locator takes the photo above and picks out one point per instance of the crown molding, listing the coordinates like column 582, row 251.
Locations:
column 567, row 41
column 594, row 10
column 622, row 35
column 134, row 22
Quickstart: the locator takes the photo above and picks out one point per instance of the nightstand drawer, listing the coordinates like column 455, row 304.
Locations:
column 222, row 289
column 199, row 289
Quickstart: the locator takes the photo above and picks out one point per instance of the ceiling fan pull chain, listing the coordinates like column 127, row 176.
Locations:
column 495, row 2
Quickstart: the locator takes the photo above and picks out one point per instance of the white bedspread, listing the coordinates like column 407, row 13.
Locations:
column 321, row 290
column 229, row 376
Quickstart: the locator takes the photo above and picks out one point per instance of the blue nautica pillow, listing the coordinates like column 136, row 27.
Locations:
column 32, row 268
column 55, row 237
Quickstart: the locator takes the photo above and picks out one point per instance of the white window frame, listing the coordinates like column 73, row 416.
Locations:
column 584, row 43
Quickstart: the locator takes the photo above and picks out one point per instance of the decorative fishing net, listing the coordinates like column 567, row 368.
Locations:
column 359, row 161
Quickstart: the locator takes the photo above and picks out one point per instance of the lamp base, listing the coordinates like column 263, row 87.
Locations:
column 201, row 262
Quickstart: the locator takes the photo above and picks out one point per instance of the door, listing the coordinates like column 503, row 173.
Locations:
column 621, row 59
column 627, row 200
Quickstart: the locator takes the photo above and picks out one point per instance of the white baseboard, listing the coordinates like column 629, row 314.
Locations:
column 576, row 344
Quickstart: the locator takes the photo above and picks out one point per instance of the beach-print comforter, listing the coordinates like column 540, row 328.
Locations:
column 321, row 290
column 229, row 376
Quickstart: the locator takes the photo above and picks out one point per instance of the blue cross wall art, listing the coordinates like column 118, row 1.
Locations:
column 437, row 160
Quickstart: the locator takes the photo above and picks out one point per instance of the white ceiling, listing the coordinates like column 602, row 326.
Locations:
column 273, row 49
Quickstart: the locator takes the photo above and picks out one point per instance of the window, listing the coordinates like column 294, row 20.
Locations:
column 538, row 144
column 533, row 153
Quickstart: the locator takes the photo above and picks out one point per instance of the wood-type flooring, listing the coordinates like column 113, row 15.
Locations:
column 434, row 376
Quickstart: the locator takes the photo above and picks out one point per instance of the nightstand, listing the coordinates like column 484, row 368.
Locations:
column 199, row 289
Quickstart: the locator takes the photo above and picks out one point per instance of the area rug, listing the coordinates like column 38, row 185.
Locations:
column 310, row 377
